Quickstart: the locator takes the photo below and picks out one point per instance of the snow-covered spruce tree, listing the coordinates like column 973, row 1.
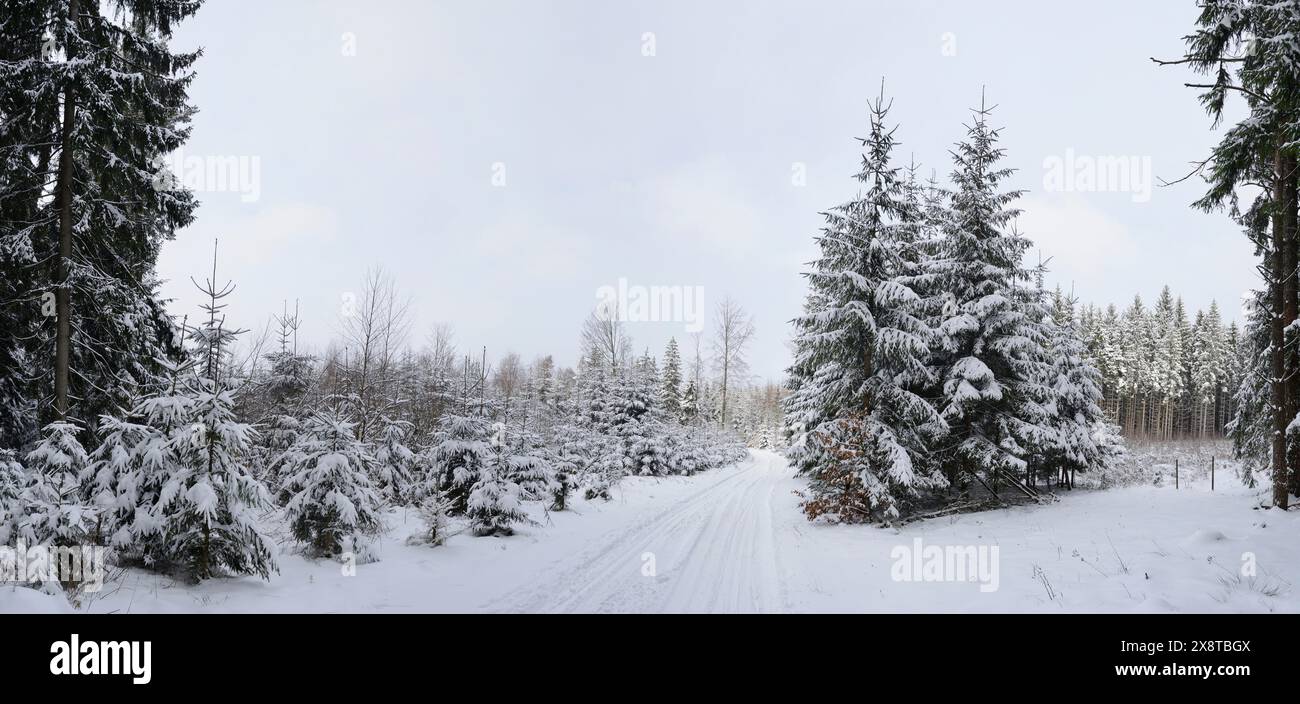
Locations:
column 13, row 478
column 1166, row 371
column 684, row 453
column 569, row 453
column 690, row 404
column 435, row 510
column 26, row 124
column 54, row 512
column 132, row 464
column 330, row 504
column 1251, row 427
column 600, row 412
column 1100, row 330
column 533, row 474
column 207, row 510
column 424, row 477
column 394, row 461
column 990, row 355
column 671, row 394
column 722, row 449
column 289, row 375
column 1209, row 367
column 562, row 489
column 123, row 477
column 609, row 464
column 802, row 407
column 459, row 457
column 530, row 463
column 173, row 479
column 278, row 433
column 861, row 353
column 495, row 501
column 695, row 449
column 1136, row 343
column 1233, row 369
column 282, row 393
column 637, row 421
column 709, row 403
column 93, row 98
column 1082, row 434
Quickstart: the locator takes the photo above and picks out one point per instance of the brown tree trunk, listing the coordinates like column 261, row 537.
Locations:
column 1282, row 407
column 1291, row 305
column 63, row 292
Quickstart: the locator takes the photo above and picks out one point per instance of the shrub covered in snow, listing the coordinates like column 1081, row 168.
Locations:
column 435, row 511
column 394, row 462
column 13, row 478
column 330, row 503
column 458, row 458
column 54, row 512
column 494, row 501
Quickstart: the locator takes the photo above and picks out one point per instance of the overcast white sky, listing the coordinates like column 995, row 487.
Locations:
column 671, row 169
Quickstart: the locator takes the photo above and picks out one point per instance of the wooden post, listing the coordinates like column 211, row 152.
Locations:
column 1211, row 472
column 1175, row 473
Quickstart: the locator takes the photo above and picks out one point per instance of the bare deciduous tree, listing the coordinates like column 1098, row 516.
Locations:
column 508, row 381
column 697, row 360
column 375, row 330
column 604, row 334
column 733, row 329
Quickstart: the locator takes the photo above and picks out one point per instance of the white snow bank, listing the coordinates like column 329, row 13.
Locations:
column 21, row 600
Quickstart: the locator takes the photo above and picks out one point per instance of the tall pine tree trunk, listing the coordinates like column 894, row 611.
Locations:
column 63, row 294
column 1282, row 406
column 1291, row 305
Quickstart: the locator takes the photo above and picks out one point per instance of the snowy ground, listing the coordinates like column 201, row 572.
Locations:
column 733, row 540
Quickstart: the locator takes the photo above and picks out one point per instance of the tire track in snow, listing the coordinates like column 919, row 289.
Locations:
column 605, row 560
column 714, row 551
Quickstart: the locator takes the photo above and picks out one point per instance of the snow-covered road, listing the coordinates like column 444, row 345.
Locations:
column 714, row 551
column 735, row 540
